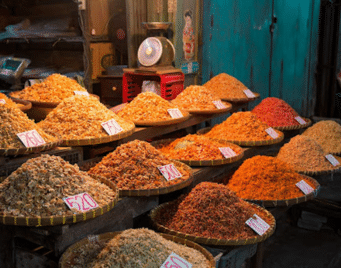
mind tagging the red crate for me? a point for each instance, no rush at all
(171, 84)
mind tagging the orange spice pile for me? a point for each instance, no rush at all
(8, 101)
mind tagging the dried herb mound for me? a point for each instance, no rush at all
(266, 178)
(37, 187)
(327, 133)
(276, 112)
(212, 210)
(241, 126)
(304, 154)
(80, 117)
(133, 165)
(14, 121)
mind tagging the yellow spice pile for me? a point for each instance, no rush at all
(80, 117)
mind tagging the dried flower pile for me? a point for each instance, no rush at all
(276, 112)
(55, 88)
(137, 248)
(196, 147)
(211, 210)
(38, 186)
(304, 154)
(14, 121)
(266, 178)
(241, 126)
(133, 165)
(80, 117)
(328, 134)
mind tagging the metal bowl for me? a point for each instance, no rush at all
(156, 25)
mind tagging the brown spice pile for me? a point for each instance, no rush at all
(304, 154)
(38, 186)
(327, 133)
(14, 121)
(133, 165)
(55, 88)
(80, 117)
(147, 106)
(266, 178)
(226, 86)
(241, 126)
(211, 210)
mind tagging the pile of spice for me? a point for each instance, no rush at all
(197, 148)
(211, 210)
(80, 117)
(241, 126)
(266, 178)
(14, 121)
(134, 165)
(147, 106)
(8, 101)
(327, 133)
(37, 187)
(137, 248)
(304, 154)
(196, 98)
(54, 88)
(276, 112)
(225, 86)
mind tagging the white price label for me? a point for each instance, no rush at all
(227, 152)
(85, 93)
(82, 202)
(2, 101)
(31, 138)
(175, 113)
(249, 93)
(304, 187)
(258, 224)
(272, 132)
(175, 261)
(112, 127)
(300, 120)
(219, 104)
(170, 172)
(332, 160)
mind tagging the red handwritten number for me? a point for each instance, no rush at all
(69, 200)
(38, 138)
(176, 263)
(91, 200)
(84, 208)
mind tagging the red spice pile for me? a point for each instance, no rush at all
(276, 112)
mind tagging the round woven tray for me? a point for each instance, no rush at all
(204, 162)
(211, 241)
(29, 150)
(247, 143)
(215, 111)
(295, 127)
(162, 190)
(292, 201)
(321, 172)
(69, 255)
(62, 220)
(23, 104)
(164, 122)
(246, 99)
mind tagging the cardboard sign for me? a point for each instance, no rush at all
(170, 172)
(258, 224)
(82, 202)
(332, 160)
(272, 132)
(31, 138)
(304, 187)
(300, 120)
(112, 127)
(175, 113)
(219, 104)
(227, 152)
(2, 101)
(175, 261)
(84, 93)
(249, 94)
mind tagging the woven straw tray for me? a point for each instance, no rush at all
(321, 172)
(246, 99)
(23, 104)
(215, 111)
(295, 127)
(163, 122)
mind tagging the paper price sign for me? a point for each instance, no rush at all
(31, 138)
(84, 93)
(82, 202)
(249, 93)
(258, 224)
(175, 261)
(304, 187)
(2, 101)
(332, 160)
(300, 120)
(175, 113)
(112, 127)
(219, 104)
(227, 152)
(170, 172)
(272, 132)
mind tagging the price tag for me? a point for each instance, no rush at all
(249, 93)
(332, 160)
(300, 120)
(272, 132)
(175, 113)
(31, 138)
(304, 187)
(2, 101)
(227, 152)
(85, 93)
(175, 261)
(112, 127)
(219, 104)
(170, 172)
(258, 224)
(82, 202)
